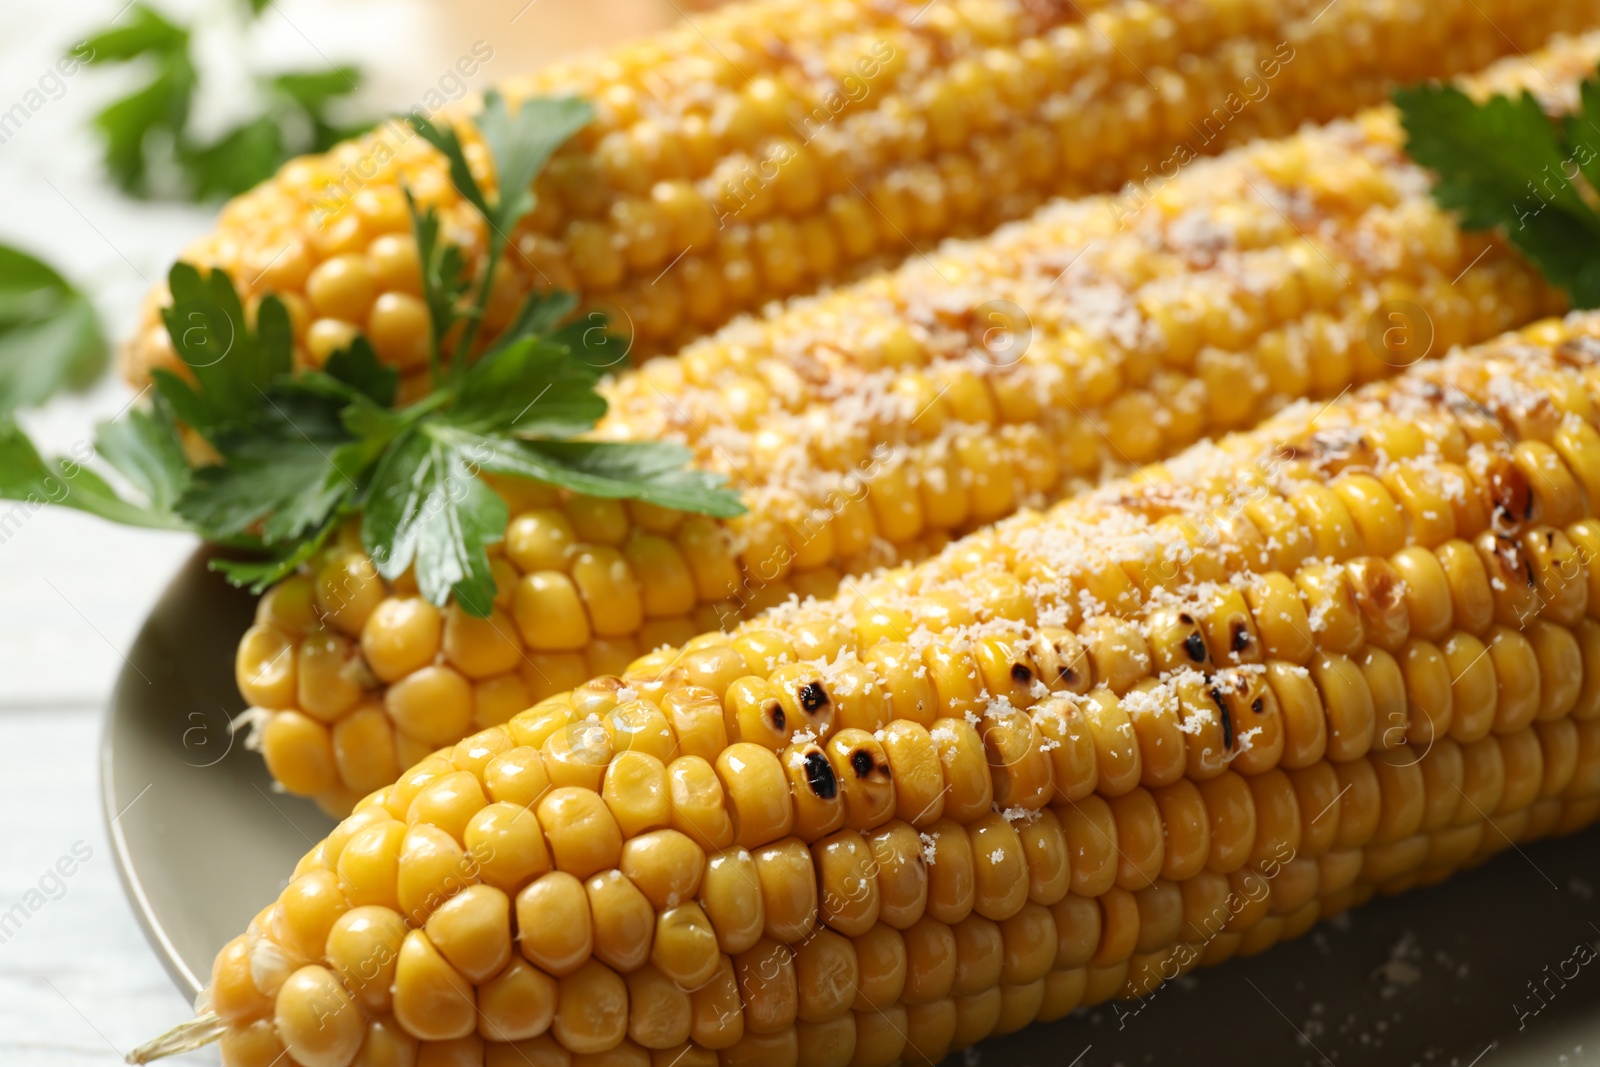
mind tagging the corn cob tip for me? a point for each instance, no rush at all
(198, 1032)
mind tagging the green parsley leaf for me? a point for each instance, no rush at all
(1505, 164)
(521, 143)
(49, 335)
(533, 388)
(313, 93)
(539, 315)
(652, 471)
(259, 573)
(161, 105)
(1583, 132)
(144, 31)
(233, 365)
(127, 125)
(314, 90)
(144, 448)
(240, 159)
(28, 477)
(282, 472)
(358, 368)
(428, 506)
(444, 138)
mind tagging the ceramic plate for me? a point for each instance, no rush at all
(1496, 967)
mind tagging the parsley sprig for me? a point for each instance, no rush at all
(299, 454)
(295, 114)
(1505, 164)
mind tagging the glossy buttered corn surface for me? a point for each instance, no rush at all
(1168, 722)
(867, 426)
(777, 145)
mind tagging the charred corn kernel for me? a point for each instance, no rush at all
(590, 584)
(865, 782)
(814, 786)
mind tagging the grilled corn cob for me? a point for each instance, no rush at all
(868, 425)
(781, 144)
(1171, 721)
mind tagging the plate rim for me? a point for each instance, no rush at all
(133, 889)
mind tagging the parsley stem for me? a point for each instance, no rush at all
(481, 302)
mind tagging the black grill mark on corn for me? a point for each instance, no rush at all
(1227, 720)
(813, 697)
(819, 774)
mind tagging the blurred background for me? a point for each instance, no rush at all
(78, 985)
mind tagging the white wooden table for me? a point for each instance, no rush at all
(78, 984)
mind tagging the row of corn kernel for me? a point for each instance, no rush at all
(882, 210)
(833, 213)
(1538, 762)
(1067, 747)
(1221, 917)
(990, 868)
(996, 972)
